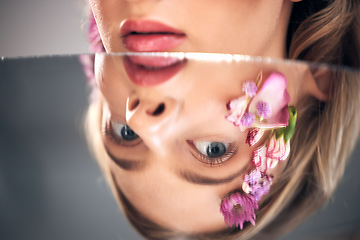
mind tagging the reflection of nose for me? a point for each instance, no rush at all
(150, 115)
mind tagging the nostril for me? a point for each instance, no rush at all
(133, 104)
(159, 110)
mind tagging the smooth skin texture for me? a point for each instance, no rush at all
(161, 172)
(231, 26)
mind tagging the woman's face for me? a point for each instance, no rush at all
(251, 27)
(166, 170)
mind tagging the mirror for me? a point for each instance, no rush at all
(170, 135)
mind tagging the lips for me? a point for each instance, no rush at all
(150, 71)
(150, 36)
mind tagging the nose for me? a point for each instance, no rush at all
(151, 118)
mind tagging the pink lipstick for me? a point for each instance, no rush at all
(150, 71)
(150, 36)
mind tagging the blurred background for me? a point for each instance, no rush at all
(42, 27)
(50, 187)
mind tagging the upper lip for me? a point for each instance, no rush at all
(147, 27)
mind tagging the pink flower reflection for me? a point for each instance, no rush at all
(256, 184)
(268, 108)
(272, 100)
(238, 208)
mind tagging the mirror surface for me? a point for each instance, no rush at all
(174, 103)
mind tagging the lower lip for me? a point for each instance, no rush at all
(158, 69)
(152, 42)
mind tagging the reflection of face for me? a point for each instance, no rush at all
(187, 156)
(168, 170)
(231, 26)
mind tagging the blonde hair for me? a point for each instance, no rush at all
(324, 31)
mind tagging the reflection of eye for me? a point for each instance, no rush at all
(213, 152)
(121, 134)
(123, 131)
(212, 149)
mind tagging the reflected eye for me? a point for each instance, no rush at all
(121, 134)
(123, 131)
(212, 149)
(213, 153)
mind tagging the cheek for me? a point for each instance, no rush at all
(174, 201)
(240, 27)
(111, 81)
(106, 16)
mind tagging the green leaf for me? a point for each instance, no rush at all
(289, 130)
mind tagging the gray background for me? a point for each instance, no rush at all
(38, 27)
(50, 188)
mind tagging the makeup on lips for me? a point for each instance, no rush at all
(152, 70)
(150, 36)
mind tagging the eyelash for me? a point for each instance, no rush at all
(209, 161)
(110, 135)
(108, 132)
(212, 162)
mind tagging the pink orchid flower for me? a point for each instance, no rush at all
(270, 104)
(265, 109)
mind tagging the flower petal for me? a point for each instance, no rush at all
(226, 205)
(274, 93)
(254, 136)
(259, 158)
(271, 163)
(277, 148)
(237, 109)
(253, 177)
(243, 209)
(246, 188)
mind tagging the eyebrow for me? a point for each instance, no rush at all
(126, 164)
(198, 179)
